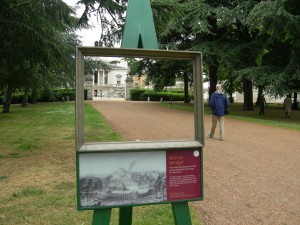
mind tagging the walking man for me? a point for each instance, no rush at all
(218, 103)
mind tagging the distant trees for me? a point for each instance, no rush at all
(88, 185)
(245, 44)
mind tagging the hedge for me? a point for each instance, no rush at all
(56, 95)
(142, 95)
(52, 95)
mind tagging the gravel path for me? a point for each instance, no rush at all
(253, 177)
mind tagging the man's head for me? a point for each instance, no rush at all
(218, 87)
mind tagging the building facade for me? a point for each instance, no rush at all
(109, 83)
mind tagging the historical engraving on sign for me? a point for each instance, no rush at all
(108, 179)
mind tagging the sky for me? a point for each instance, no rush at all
(88, 36)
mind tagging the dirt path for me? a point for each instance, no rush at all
(253, 177)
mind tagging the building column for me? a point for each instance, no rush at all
(89, 87)
(128, 87)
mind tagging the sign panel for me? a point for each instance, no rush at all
(114, 179)
(183, 175)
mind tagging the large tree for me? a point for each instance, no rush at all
(279, 22)
(265, 46)
(37, 40)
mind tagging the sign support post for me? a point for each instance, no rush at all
(101, 216)
(181, 213)
(125, 216)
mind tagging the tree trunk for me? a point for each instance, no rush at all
(295, 105)
(34, 95)
(6, 105)
(25, 98)
(213, 77)
(260, 92)
(230, 90)
(248, 95)
(186, 88)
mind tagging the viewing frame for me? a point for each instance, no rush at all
(187, 153)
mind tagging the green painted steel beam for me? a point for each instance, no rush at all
(101, 216)
(125, 216)
(181, 213)
(139, 30)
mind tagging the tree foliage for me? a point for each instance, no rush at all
(279, 22)
(110, 15)
(245, 43)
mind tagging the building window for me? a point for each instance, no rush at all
(96, 77)
(119, 76)
(105, 77)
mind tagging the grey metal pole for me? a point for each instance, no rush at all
(79, 99)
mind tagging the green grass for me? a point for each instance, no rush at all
(38, 168)
(96, 128)
(274, 114)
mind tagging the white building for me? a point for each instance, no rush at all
(108, 83)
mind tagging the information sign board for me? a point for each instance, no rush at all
(114, 179)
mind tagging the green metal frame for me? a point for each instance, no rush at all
(139, 30)
(180, 208)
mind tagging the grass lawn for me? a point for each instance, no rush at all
(274, 114)
(38, 169)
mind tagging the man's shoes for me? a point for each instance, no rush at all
(210, 136)
(221, 139)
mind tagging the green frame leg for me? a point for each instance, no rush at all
(125, 216)
(101, 216)
(181, 213)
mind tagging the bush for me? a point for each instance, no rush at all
(136, 94)
(17, 98)
(65, 93)
(47, 96)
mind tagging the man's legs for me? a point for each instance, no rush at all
(221, 124)
(214, 120)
